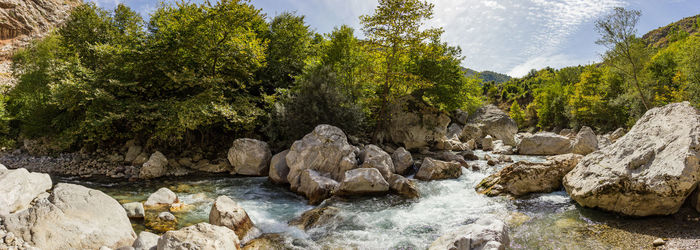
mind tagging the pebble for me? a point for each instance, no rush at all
(659, 242)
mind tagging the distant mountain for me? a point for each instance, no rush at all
(488, 76)
(663, 36)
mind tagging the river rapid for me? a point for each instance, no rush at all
(542, 221)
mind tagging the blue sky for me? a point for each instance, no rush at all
(508, 36)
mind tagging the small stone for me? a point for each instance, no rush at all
(659, 242)
(166, 216)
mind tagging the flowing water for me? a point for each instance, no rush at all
(550, 221)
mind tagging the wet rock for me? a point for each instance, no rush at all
(161, 197)
(487, 143)
(403, 161)
(522, 178)
(544, 143)
(414, 124)
(146, 241)
(200, 236)
(496, 123)
(585, 143)
(404, 186)
(160, 222)
(134, 210)
(326, 152)
(316, 217)
(279, 169)
(19, 187)
(485, 233)
(72, 217)
(316, 187)
(166, 216)
(649, 171)
(432, 169)
(267, 242)
(362, 181)
(250, 157)
(156, 166)
(374, 157)
(226, 212)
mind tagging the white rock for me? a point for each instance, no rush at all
(432, 169)
(250, 157)
(649, 171)
(403, 161)
(73, 217)
(156, 166)
(374, 157)
(166, 216)
(363, 181)
(163, 196)
(199, 236)
(146, 241)
(316, 187)
(585, 143)
(134, 210)
(544, 143)
(226, 212)
(279, 169)
(19, 187)
(485, 233)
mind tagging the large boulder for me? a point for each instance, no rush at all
(156, 166)
(19, 187)
(250, 157)
(544, 143)
(403, 161)
(585, 143)
(362, 181)
(279, 169)
(326, 151)
(200, 236)
(432, 169)
(316, 187)
(72, 217)
(226, 212)
(162, 197)
(485, 233)
(490, 120)
(649, 171)
(522, 177)
(415, 124)
(374, 157)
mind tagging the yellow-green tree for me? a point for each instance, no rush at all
(517, 114)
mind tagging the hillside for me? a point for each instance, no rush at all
(488, 76)
(663, 36)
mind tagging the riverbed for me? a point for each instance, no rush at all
(541, 221)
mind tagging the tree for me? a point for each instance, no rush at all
(289, 42)
(517, 114)
(625, 52)
(394, 29)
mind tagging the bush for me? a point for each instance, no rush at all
(316, 100)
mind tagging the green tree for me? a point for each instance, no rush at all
(289, 45)
(394, 29)
(626, 52)
(517, 114)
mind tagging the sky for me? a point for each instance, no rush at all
(506, 36)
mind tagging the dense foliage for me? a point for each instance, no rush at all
(202, 74)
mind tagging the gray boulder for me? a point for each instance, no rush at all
(199, 236)
(362, 181)
(279, 169)
(403, 186)
(226, 212)
(490, 120)
(250, 157)
(585, 142)
(544, 143)
(415, 124)
(650, 171)
(72, 217)
(374, 157)
(146, 241)
(156, 166)
(19, 187)
(316, 187)
(403, 161)
(134, 210)
(432, 169)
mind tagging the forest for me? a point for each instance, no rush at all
(200, 74)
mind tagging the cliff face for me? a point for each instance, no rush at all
(24, 20)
